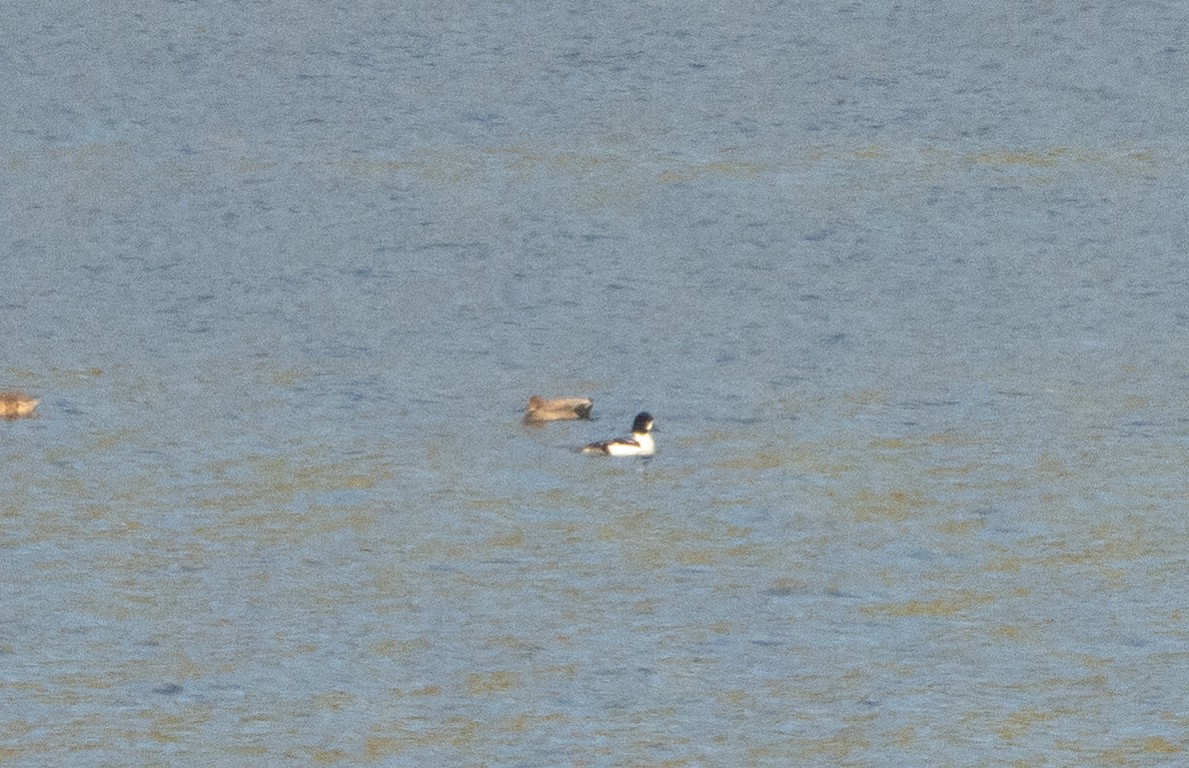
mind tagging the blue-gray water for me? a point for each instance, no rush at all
(905, 289)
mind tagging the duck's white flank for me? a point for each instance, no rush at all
(639, 444)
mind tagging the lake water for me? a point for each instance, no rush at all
(905, 289)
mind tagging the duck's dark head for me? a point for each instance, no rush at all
(643, 423)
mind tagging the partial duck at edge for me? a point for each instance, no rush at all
(17, 405)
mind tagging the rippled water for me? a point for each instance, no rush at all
(905, 290)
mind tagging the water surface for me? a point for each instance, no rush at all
(904, 288)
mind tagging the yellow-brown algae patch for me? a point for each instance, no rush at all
(938, 607)
(696, 557)
(1044, 159)
(958, 470)
(491, 682)
(1024, 720)
(1159, 745)
(961, 527)
(525, 723)
(332, 700)
(379, 747)
(840, 746)
(1006, 631)
(949, 437)
(328, 756)
(17, 405)
(895, 505)
(1005, 564)
(1132, 748)
(513, 540)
